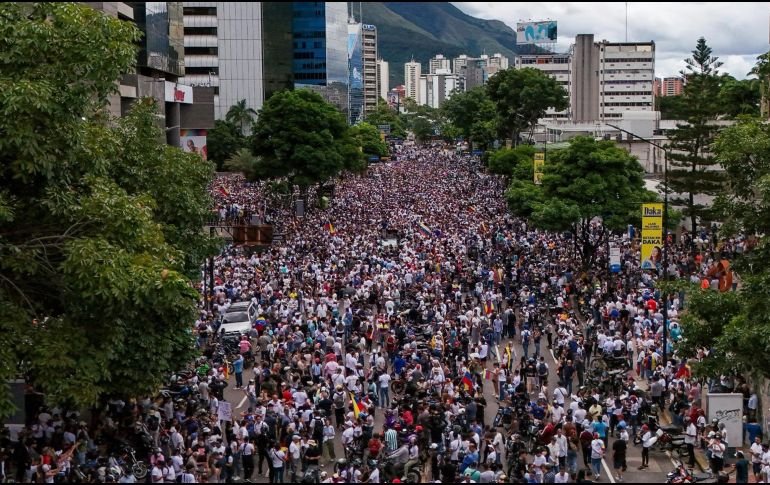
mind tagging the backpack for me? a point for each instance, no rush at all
(319, 428)
(542, 369)
(525, 336)
(339, 400)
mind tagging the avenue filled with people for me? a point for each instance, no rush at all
(411, 331)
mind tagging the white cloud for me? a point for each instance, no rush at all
(736, 32)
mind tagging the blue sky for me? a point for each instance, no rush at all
(737, 32)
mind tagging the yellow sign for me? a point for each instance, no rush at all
(539, 163)
(652, 235)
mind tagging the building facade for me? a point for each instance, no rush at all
(320, 37)
(439, 62)
(412, 73)
(184, 112)
(371, 69)
(670, 86)
(438, 87)
(355, 73)
(559, 67)
(383, 81)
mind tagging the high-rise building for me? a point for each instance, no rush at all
(412, 72)
(355, 73)
(439, 62)
(232, 47)
(371, 79)
(437, 87)
(320, 33)
(604, 79)
(670, 86)
(383, 81)
(558, 66)
(497, 61)
(184, 112)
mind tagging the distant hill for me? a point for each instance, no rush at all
(424, 29)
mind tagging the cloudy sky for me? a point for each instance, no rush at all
(737, 32)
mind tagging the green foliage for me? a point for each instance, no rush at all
(302, 137)
(692, 167)
(243, 161)
(739, 97)
(100, 223)
(473, 114)
(240, 115)
(517, 163)
(423, 121)
(762, 71)
(369, 139)
(522, 96)
(223, 141)
(385, 115)
(586, 180)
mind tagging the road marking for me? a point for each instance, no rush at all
(609, 472)
(240, 404)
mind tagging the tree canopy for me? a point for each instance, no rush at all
(692, 170)
(302, 137)
(224, 140)
(100, 222)
(734, 325)
(587, 180)
(513, 162)
(521, 98)
(369, 139)
(241, 115)
(385, 115)
(473, 114)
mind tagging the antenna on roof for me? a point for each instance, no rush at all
(626, 21)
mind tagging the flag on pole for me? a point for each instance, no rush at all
(424, 230)
(467, 380)
(487, 375)
(356, 405)
(488, 308)
(330, 227)
(224, 191)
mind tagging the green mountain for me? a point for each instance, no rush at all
(420, 30)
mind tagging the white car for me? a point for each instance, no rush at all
(236, 323)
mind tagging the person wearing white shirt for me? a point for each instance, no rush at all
(690, 438)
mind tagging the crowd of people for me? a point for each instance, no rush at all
(401, 334)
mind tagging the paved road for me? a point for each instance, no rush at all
(660, 464)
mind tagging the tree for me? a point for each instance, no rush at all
(517, 163)
(424, 121)
(739, 97)
(224, 140)
(522, 96)
(385, 115)
(302, 137)
(587, 180)
(100, 223)
(734, 325)
(473, 113)
(240, 115)
(693, 170)
(243, 161)
(762, 71)
(369, 139)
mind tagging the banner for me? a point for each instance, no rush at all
(539, 163)
(536, 32)
(652, 235)
(614, 258)
(194, 141)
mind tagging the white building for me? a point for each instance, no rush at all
(223, 49)
(559, 67)
(439, 63)
(371, 79)
(383, 79)
(412, 72)
(437, 87)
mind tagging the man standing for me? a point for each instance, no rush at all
(691, 435)
(619, 457)
(238, 371)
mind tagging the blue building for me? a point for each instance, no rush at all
(320, 38)
(355, 73)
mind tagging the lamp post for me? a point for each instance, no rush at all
(664, 296)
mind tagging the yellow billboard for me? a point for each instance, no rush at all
(539, 163)
(652, 235)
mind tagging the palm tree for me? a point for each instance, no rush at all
(240, 115)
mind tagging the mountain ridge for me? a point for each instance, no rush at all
(420, 30)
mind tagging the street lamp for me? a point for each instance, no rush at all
(665, 235)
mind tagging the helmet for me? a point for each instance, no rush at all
(356, 462)
(372, 463)
(715, 421)
(342, 462)
(418, 428)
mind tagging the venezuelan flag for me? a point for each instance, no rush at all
(330, 227)
(356, 405)
(488, 308)
(224, 191)
(423, 229)
(467, 380)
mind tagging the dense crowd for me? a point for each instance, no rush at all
(400, 335)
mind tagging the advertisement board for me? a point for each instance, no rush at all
(652, 235)
(539, 163)
(727, 409)
(614, 258)
(178, 93)
(194, 141)
(536, 32)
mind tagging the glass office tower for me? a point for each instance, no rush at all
(355, 73)
(320, 33)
